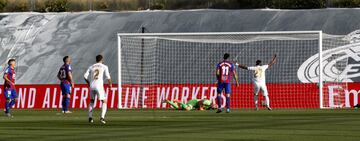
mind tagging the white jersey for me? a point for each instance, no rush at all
(96, 77)
(259, 73)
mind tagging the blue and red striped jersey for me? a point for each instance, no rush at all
(226, 70)
(64, 73)
(11, 76)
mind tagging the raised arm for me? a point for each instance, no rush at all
(273, 61)
(241, 66)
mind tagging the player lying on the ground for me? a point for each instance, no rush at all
(9, 87)
(259, 80)
(195, 104)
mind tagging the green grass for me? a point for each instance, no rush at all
(141, 125)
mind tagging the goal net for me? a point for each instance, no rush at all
(181, 66)
(337, 51)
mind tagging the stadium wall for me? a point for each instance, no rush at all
(39, 41)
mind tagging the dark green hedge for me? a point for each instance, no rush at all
(2, 5)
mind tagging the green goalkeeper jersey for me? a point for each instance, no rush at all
(193, 103)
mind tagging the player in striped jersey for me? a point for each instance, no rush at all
(9, 87)
(66, 83)
(225, 71)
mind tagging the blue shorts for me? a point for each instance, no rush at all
(226, 86)
(65, 88)
(10, 93)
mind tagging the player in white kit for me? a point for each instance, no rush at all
(94, 78)
(259, 80)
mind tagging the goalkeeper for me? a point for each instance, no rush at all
(195, 104)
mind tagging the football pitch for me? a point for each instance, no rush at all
(145, 125)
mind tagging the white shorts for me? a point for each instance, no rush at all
(262, 87)
(100, 93)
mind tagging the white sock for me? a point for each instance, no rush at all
(256, 100)
(267, 100)
(103, 110)
(91, 107)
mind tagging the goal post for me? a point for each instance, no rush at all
(153, 67)
(321, 88)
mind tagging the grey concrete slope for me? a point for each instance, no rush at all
(39, 41)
